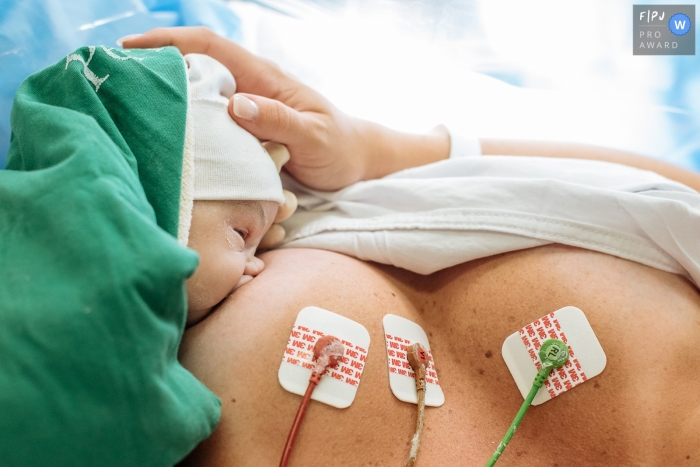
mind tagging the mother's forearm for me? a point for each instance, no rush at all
(388, 151)
(588, 151)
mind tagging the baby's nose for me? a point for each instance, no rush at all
(253, 266)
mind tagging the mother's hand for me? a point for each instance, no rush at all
(329, 149)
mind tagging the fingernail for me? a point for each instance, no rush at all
(121, 40)
(244, 108)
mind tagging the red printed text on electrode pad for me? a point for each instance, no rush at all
(300, 352)
(396, 348)
(561, 379)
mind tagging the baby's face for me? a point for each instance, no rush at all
(225, 234)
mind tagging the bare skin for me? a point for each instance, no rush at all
(643, 410)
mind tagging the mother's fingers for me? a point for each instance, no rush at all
(268, 119)
(253, 74)
(187, 39)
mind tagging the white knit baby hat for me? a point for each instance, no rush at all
(229, 162)
(221, 160)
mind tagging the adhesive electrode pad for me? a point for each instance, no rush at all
(586, 356)
(399, 333)
(338, 386)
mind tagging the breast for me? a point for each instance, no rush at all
(629, 415)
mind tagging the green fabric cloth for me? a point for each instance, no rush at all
(92, 297)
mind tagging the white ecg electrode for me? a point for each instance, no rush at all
(586, 356)
(338, 386)
(399, 333)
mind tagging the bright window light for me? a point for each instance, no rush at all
(550, 69)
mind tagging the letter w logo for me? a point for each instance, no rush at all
(680, 25)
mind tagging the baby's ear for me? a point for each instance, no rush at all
(274, 236)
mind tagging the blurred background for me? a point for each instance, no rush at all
(554, 70)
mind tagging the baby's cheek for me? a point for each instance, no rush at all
(196, 301)
(213, 281)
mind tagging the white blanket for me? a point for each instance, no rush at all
(439, 215)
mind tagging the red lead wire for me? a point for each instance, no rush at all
(328, 352)
(297, 422)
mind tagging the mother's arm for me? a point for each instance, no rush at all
(330, 149)
(587, 151)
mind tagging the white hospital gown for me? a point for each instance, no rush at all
(436, 216)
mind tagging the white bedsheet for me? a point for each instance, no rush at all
(436, 216)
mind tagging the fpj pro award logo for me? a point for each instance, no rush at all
(663, 29)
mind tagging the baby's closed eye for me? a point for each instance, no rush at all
(236, 238)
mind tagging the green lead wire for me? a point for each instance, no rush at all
(553, 353)
(519, 417)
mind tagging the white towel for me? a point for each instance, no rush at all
(439, 215)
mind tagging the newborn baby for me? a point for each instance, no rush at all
(237, 191)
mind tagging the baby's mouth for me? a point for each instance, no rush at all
(242, 281)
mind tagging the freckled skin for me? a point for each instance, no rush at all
(625, 416)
